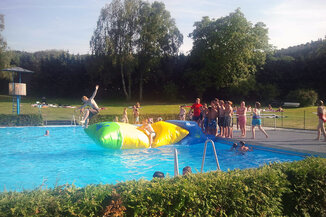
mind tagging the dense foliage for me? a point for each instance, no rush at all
(136, 35)
(21, 120)
(287, 189)
(134, 50)
(298, 67)
(226, 50)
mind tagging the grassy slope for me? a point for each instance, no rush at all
(294, 117)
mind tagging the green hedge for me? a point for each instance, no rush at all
(287, 189)
(21, 120)
(102, 118)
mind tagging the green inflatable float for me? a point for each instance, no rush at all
(115, 135)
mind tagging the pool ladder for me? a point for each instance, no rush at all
(204, 155)
(176, 161)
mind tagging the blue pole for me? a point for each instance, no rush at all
(18, 105)
(18, 97)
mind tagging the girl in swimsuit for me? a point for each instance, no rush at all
(242, 116)
(182, 113)
(256, 120)
(321, 119)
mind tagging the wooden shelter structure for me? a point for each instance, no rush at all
(17, 89)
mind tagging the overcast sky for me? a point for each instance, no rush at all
(33, 25)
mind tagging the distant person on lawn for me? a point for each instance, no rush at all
(93, 110)
(321, 113)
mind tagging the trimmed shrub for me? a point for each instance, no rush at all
(303, 96)
(287, 189)
(21, 120)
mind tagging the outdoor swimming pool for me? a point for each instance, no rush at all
(68, 155)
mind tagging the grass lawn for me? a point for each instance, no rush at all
(298, 118)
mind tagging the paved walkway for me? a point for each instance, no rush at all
(287, 139)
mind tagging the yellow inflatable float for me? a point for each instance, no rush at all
(117, 135)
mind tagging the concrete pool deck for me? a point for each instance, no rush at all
(302, 141)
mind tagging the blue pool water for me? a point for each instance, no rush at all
(28, 159)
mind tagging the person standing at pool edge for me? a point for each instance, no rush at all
(93, 110)
(242, 116)
(321, 119)
(197, 110)
(256, 120)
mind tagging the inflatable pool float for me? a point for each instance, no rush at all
(116, 135)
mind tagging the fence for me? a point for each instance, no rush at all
(299, 120)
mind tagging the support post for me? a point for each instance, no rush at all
(18, 105)
(304, 119)
(176, 163)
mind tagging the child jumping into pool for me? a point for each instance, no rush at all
(93, 110)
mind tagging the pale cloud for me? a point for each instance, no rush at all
(33, 25)
(296, 22)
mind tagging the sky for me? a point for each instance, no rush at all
(34, 25)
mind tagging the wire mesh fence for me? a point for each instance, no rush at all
(298, 120)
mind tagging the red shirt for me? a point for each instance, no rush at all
(196, 107)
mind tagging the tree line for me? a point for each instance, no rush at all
(135, 55)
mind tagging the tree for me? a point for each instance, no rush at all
(4, 54)
(135, 34)
(115, 36)
(226, 50)
(159, 37)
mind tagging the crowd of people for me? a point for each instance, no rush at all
(214, 119)
(217, 118)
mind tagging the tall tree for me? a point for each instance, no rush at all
(115, 34)
(226, 50)
(135, 34)
(4, 54)
(159, 37)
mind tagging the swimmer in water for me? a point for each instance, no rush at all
(243, 147)
(47, 133)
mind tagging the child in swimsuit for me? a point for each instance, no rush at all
(93, 110)
(221, 118)
(125, 116)
(321, 119)
(182, 113)
(228, 119)
(242, 117)
(256, 120)
(136, 114)
(149, 131)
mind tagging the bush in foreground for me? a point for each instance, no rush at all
(287, 189)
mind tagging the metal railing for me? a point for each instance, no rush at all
(299, 120)
(176, 163)
(204, 155)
